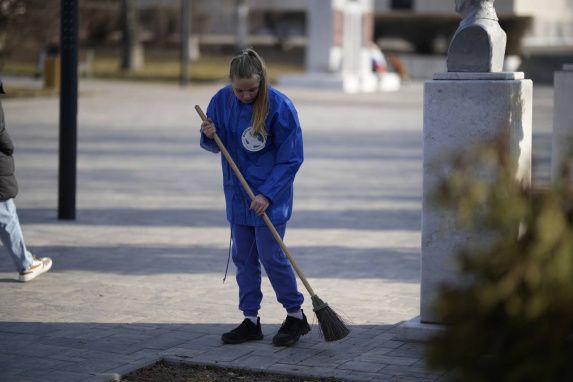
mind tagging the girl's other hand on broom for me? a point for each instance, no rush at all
(260, 204)
(208, 128)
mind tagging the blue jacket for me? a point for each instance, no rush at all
(269, 166)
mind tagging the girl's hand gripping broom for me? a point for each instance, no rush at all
(332, 327)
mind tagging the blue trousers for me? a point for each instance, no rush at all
(11, 236)
(251, 247)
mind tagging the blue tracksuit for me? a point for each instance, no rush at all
(269, 164)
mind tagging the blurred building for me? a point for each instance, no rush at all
(540, 33)
(216, 20)
(552, 19)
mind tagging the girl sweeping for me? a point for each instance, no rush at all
(260, 128)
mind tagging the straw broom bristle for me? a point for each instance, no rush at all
(331, 325)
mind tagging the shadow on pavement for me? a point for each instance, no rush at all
(316, 261)
(399, 219)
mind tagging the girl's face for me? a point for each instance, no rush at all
(246, 89)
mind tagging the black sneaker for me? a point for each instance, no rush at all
(247, 331)
(291, 330)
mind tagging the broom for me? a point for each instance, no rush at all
(332, 327)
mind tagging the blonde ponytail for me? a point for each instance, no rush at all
(246, 65)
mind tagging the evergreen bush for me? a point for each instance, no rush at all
(512, 317)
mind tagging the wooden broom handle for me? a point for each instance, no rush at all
(252, 196)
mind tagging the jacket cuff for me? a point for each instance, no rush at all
(209, 144)
(266, 194)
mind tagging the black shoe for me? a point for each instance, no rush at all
(291, 330)
(247, 331)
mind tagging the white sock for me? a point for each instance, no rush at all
(253, 319)
(296, 314)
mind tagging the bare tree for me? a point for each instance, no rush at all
(242, 20)
(27, 26)
(99, 19)
(132, 49)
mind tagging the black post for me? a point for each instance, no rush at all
(185, 32)
(68, 109)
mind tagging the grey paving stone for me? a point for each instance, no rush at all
(184, 353)
(17, 328)
(16, 337)
(207, 340)
(143, 354)
(129, 346)
(310, 371)
(224, 354)
(254, 362)
(400, 361)
(369, 367)
(10, 376)
(114, 347)
(293, 356)
(25, 378)
(421, 363)
(409, 352)
(386, 336)
(81, 333)
(328, 359)
(27, 365)
(93, 366)
(374, 354)
(49, 375)
(387, 344)
(70, 355)
(132, 338)
(412, 371)
(53, 342)
(8, 373)
(160, 343)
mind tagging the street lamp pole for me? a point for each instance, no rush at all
(68, 109)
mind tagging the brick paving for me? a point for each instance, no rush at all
(138, 276)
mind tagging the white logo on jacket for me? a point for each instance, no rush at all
(253, 143)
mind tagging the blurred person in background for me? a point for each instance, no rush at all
(27, 265)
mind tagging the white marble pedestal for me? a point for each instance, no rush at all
(462, 110)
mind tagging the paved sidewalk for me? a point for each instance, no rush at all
(138, 276)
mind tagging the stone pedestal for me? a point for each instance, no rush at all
(462, 110)
(563, 123)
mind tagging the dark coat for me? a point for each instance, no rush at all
(8, 184)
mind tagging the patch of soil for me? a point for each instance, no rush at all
(165, 371)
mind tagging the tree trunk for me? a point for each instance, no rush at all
(132, 49)
(242, 24)
(185, 34)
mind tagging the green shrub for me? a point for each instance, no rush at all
(512, 320)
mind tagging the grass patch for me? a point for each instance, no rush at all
(18, 68)
(161, 68)
(29, 92)
(165, 371)
(207, 69)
